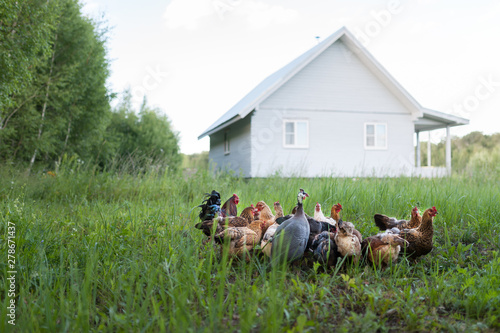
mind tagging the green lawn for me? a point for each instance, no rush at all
(109, 252)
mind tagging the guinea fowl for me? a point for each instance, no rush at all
(319, 216)
(384, 222)
(242, 239)
(420, 239)
(210, 206)
(265, 245)
(348, 244)
(290, 239)
(325, 249)
(245, 218)
(229, 208)
(383, 248)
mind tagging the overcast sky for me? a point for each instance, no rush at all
(194, 59)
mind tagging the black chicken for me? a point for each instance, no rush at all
(210, 206)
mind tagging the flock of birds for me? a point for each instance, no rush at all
(326, 239)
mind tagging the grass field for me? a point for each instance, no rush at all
(110, 252)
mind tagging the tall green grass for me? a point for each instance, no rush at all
(112, 251)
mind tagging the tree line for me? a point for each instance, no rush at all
(473, 153)
(54, 98)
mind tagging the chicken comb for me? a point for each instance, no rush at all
(340, 206)
(434, 208)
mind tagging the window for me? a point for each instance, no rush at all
(375, 136)
(227, 143)
(296, 134)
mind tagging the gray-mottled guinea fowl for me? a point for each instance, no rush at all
(290, 239)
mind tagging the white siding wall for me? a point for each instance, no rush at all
(337, 94)
(239, 157)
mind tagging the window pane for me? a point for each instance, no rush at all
(290, 139)
(381, 135)
(370, 141)
(370, 129)
(302, 133)
(289, 127)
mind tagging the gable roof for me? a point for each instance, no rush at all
(273, 82)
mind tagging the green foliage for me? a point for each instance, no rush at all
(141, 139)
(195, 161)
(118, 252)
(473, 154)
(25, 37)
(65, 107)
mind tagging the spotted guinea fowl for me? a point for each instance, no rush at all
(384, 222)
(290, 239)
(420, 239)
(245, 218)
(383, 248)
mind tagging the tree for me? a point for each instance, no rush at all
(25, 36)
(141, 139)
(65, 109)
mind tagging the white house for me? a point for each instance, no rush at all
(333, 111)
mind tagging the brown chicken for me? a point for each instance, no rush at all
(384, 222)
(271, 230)
(229, 207)
(383, 248)
(246, 217)
(242, 239)
(278, 210)
(334, 212)
(265, 212)
(420, 239)
(348, 244)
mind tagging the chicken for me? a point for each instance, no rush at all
(241, 239)
(229, 208)
(265, 245)
(348, 244)
(420, 239)
(245, 218)
(319, 216)
(334, 212)
(265, 212)
(384, 222)
(210, 206)
(325, 249)
(290, 239)
(383, 248)
(278, 210)
(316, 228)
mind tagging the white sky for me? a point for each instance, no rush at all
(195, 59)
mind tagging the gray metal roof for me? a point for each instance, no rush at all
(251, 101)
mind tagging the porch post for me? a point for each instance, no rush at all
(429, 150)
(448, 149)
(418, 149)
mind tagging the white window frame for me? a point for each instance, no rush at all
(375, 147)
(295, 121)
(227, 143)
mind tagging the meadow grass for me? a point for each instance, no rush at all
(118, 252)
